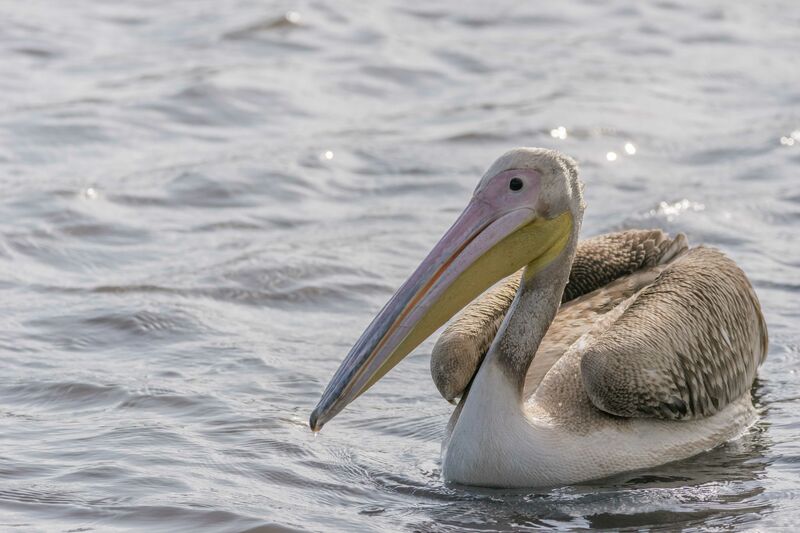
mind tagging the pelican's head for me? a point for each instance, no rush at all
(521, 213)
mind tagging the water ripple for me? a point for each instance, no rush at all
(203, 206)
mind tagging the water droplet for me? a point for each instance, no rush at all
(559, 133)
(787, 141)
(795, 135)
(630, 148)
(611, 156)
(328, 155)
(90, 193)
(293, 17)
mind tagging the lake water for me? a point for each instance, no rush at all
(205, 202)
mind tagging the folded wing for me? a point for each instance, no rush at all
(685, 347)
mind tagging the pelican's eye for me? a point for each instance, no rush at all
(515, 184)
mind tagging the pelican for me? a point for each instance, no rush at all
(621, 352)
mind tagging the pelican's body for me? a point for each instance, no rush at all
(558, 434)
(494, 443)
(647, 356)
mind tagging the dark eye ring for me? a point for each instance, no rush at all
(515, 184)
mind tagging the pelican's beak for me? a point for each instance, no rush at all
(486, 244)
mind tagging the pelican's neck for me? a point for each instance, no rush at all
(534, 307)
(489, 425)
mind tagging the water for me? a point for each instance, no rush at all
(204, 203)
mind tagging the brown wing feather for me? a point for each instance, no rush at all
(688, 345)
(602, 259)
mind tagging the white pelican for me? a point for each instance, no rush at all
(649, 359)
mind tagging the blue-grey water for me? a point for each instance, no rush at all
(204, 202)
